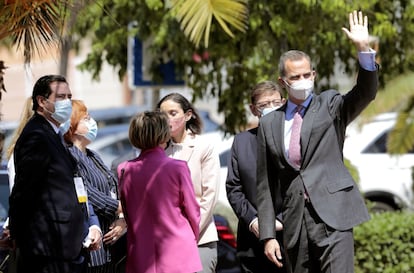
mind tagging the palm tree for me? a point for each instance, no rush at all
(36, 24)
(196, 17)
(33, 24)
(40, 24)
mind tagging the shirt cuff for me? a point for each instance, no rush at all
(367, 59)
(252, 222)
(96, 227)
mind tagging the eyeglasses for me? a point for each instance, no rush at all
(297, 77)
(265, 104)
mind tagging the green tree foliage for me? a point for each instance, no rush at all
(229, 67)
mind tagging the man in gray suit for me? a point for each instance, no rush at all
(320, 201)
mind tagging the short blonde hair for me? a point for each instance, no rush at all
(149, 129)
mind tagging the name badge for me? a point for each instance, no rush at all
(80, 190)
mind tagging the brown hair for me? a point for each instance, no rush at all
(42, 88)
(264, 87)
(149, 129)
(79, 110)
(195, 124)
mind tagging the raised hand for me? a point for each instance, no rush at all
(358, 30)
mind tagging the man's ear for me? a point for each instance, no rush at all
(41, 101)
(281, 82)
(314, 74)
(254, 110)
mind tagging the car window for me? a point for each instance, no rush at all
(117, 148)
(378, 146)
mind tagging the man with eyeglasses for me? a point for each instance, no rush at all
(51, 222)
(265, 97)
(300, 159)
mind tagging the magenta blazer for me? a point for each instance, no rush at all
(161, 212)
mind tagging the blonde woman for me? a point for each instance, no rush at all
(27, 113)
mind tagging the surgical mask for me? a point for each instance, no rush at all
(92, 129)
(300, 89)
(177, 124)
(267, 110)
(64, 127)
(63, 110)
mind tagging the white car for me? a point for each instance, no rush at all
(222, 145)
(384, 179)
(111, 146)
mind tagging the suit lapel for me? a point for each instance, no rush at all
(57, 141)
(187, 148)
(307, 126)
(278, 132)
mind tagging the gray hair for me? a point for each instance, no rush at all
(291, 55)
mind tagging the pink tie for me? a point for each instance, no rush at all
(294, 144)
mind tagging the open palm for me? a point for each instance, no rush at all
(358, 30)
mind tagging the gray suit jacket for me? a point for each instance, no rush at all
(332, 191)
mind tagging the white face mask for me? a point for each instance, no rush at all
(63, 110)
(300, 89)
(267, 110)
(64, 127)
(92, 129)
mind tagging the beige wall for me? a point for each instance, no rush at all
(19, 80)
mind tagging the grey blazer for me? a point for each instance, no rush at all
(331, 189)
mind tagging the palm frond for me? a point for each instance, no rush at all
(35, 25)
(195, 17)
(401, 138)
(393, 97)
(2, 86)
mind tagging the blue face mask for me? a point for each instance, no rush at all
(92, 129)
(266, 111)
(64, 127)
(63, 110)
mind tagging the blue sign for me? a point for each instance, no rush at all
(140, 68)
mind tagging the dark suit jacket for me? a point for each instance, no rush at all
(241, 191)
(332, 191)
(45, 215)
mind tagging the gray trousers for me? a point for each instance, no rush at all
(208, 255)
(320, 248)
